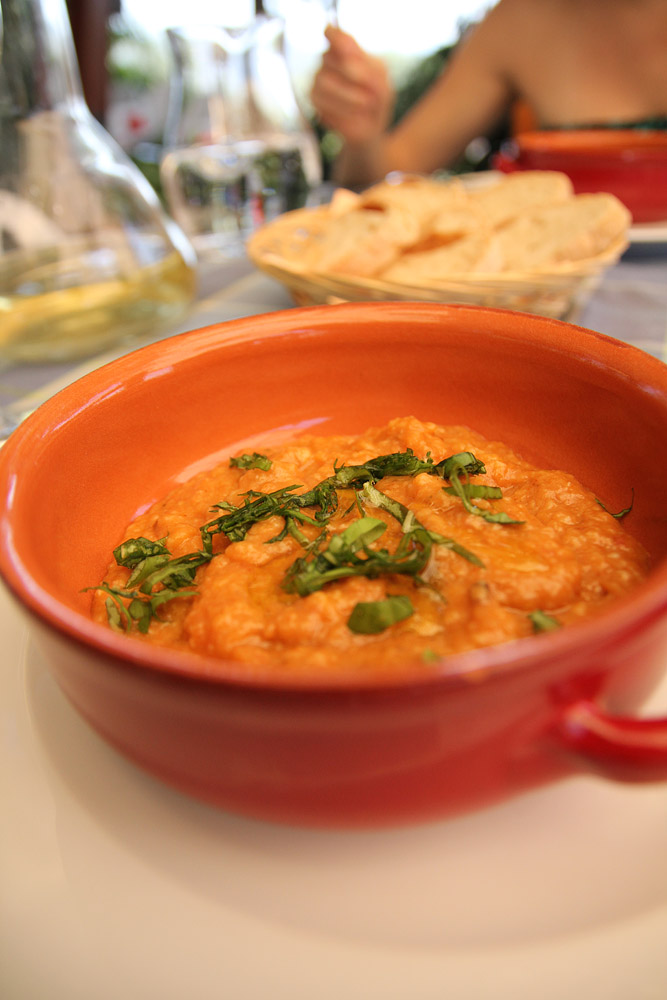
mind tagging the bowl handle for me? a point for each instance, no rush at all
(619, 747)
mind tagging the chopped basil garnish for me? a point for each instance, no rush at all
(157, 578)
(621, 513)
(257, 506)
(410, 523)
(477, 490)
(152, 566)
(343, 557)
(542, 622)
(253, 461)
(371, 617)
(284, 502)
(464, 491)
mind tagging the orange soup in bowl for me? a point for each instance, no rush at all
(410, 540)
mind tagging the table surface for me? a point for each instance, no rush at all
(116, 886)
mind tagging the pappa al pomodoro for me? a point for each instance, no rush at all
(408, 541)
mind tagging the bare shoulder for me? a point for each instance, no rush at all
(510, 26)
(524, 18)
(514, 33)
(513, 21)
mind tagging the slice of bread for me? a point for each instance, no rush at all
(420, 231)
(580, 228)
(360, 242)
(472, 253)
(343, 200)
(423, 197)
(457, 221)
(517, 193)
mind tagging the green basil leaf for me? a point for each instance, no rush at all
(372, 617)
(542, 622)
(253, 461)
(621, 513)
(410, 524)
(459, 489)
(359, 534)
(477, 490)
(133, 551)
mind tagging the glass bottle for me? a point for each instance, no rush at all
(88, 257)
(238, 150)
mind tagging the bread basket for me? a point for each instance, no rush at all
(559, 292)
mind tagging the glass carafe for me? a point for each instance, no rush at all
(88, 257)
(238, 150)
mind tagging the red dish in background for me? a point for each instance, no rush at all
(628, 163)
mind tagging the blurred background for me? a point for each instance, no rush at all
(126, 61)
(209, 99)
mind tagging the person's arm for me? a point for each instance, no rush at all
(465, 101)
(353, 95)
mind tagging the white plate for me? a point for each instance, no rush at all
(648, 232)
(114, 886)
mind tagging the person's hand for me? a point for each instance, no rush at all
(352, 92)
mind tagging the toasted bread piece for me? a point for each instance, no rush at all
(472, 253)
(517, 193)
(343, 200)
(360, 242)
(458, 220)
(423, 197)
(449, 226)
(420, 231)
(580, 228)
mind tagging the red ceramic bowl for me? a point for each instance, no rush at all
(630, 164)
(351, 751)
